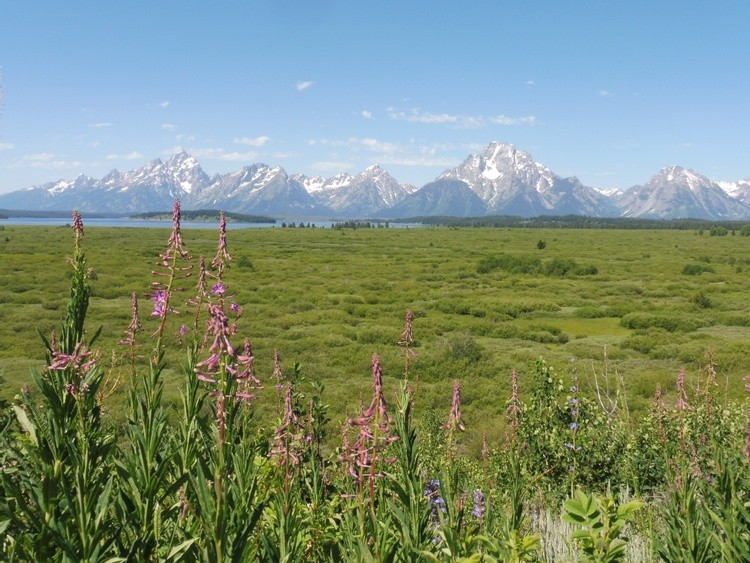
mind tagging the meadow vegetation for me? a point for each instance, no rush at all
(401, 395)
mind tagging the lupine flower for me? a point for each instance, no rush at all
(437, 506)
(479, 504)
(574, 426)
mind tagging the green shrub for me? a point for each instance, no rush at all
(696, 269)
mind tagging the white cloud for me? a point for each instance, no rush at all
(100, 125)
(7, 146)
(332, 165)
(168, 127)
(458, 121)
(300, 86)
(163, 105)
(367, 114)
(416, 116)
(130, 156)
(605, 93)
(505, 120)
(385, 152)
(252, 141)
(217, 154)
(49, 161)
(530, 83)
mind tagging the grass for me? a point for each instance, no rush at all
(91, 467)
(330, 298)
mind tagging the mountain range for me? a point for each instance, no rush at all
(502, 180)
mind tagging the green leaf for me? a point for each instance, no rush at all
(26, 424)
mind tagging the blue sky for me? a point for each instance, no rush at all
(607, 91)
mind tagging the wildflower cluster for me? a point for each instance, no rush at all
(373, 433)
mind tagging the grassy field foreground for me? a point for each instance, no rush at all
(658, 301)
(571, 396)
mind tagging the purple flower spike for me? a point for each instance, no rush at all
(160, 304)
(479, 504)
(218, 289)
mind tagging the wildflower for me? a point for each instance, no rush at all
(160, 304)
(682, 403)
(277, 374)
(746, 449)
(77, 226)
(235, 308)
(407, 337)
(574, 426)
(574, 389)
(485, 448)
(222, 254)
(219, 329)
(183, 330)
(514, 404)
(479, 504)
(201, 291)
(246, 375)
(437, 504)
(218, 289)
(78, 360)
(135, 324)
(289, 437)
(454, 418)
(374, 434)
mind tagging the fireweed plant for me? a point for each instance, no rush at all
(214, 480)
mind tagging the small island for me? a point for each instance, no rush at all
(204, 215)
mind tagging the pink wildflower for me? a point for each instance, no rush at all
(135, 323)
(454, 417)
(682, 403)
(78, 360)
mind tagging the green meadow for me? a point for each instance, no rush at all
(624, 309)
(534, 395)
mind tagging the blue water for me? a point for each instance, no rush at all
(125, 222)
